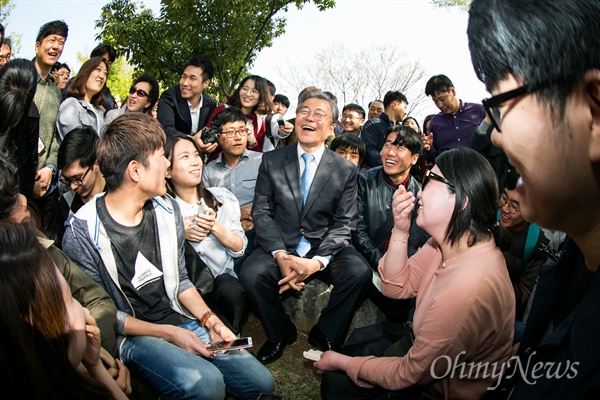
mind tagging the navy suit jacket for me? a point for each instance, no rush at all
(174, 112)
(329, 215)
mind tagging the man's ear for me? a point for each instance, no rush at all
(205, 84)
(96, 166)
(133, 171)
(414, 159)
(593, 90)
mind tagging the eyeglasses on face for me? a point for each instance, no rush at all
(139, 92)
(504, 200)
(74, 181)
(430, 175)
(231, 133)
(493, 103)
(348, 116)
(247, 89)
(318, 115)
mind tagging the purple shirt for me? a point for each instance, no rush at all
(450, 131)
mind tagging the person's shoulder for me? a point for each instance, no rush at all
(370, 174)
(209, 101)
(221, 193)
(254, 155)
(69, 102)
(171, 93)
(371, 122)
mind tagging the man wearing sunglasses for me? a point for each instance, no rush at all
(143, 95)
(541, 63)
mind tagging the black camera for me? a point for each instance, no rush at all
(210, 135)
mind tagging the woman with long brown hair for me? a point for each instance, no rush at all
(82, 107)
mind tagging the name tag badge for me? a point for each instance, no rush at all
(145, 272)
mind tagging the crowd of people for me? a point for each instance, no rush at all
(133, 237)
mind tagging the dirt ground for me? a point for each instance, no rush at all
(295, 377)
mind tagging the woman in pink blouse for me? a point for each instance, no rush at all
(464, 299)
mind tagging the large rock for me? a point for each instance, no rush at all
(305, 307)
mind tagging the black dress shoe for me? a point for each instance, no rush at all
(317, 338)
(272, 351)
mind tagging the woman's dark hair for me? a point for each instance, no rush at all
(264, 96)
(476, 195)
(34, 352)
(425, 121)
(154, 87)
(9, 188)
(203, 193)
(77, 88)
(18, 82)
(416, 122)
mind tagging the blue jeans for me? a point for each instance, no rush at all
(179, 374)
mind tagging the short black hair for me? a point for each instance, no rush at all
(208, 68)
(512, 177)
(272, 88)
(102, 49)
(348, 141)
(548, 44)
(355, 107)
(405, 136)
(226, 115)
(78, 144)
(59, 28)
(394, 95)
(438, 83)
(154, 89)
(280, 98)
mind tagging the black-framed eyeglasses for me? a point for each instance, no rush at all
(74, 181)
(491, 104)
(504, 200)
(231, 134)
(139, 92)
(432, 175)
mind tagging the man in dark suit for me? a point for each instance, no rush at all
(184, 108)
(304, 212)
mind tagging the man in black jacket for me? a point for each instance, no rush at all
(401, 149)
(183, 108)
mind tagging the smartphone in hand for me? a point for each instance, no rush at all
(201, 208)
(240, 343)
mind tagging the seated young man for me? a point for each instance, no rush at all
(236, 170)
(79, 171)
(351, 147)
(526, 256)
(376, 186)
(131, 241)
(353, 118)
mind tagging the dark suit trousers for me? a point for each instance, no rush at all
(348, 272)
